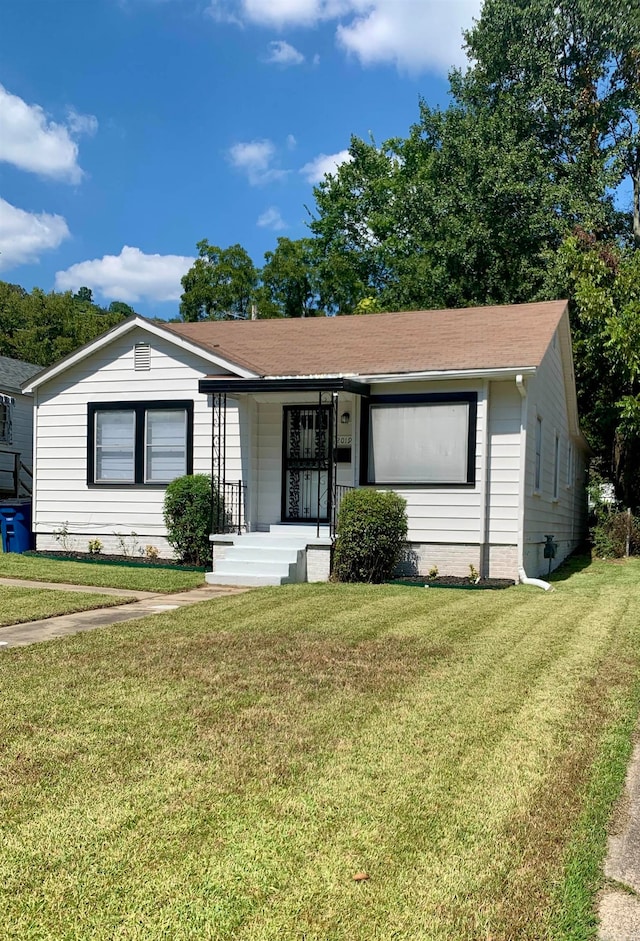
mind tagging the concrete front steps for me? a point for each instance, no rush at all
(277, 557)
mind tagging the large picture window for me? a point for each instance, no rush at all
(426, 440)
(139, 442)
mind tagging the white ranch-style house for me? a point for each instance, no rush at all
(469, 414)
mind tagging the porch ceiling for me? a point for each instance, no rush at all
(236, 386)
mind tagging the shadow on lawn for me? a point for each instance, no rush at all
(577, 562)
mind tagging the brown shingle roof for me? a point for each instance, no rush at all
(377, 344)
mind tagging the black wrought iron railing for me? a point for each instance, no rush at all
(228, 507)
(340, 490)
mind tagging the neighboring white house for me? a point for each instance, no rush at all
(16, 427)
(469, 414)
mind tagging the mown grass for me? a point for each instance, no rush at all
(129, 577)
(221, 772)
(32, 604)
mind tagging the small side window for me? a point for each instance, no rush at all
(6, 417)
(537, 477)
(570, 470)
(556, 466)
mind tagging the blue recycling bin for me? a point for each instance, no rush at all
(15, 525)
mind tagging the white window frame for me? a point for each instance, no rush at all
(570, 465)
(178, 449)
(556, 466)
(128, 447)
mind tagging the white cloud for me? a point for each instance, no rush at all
(414, 35)
(316, 169)
(25, 235)
(255, 158)
(281, 53)
(221, 11)
(292, 143)
(130, 276)
(82, 123)
(30, 141)
(291, 12)
(272, 219)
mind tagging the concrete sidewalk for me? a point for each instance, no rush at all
(33, 632)
(619, 907)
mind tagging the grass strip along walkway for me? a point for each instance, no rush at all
(222, 772)
(101, 573)
(18, 605)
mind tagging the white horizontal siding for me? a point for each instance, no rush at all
(563, 517)
(505, 407)
(62, 496)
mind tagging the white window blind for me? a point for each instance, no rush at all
(115, 435)
(166, 445)
(422, 443)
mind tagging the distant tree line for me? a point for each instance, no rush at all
(41, 328)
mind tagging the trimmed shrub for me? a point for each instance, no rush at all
(187, 516)
(372, 531)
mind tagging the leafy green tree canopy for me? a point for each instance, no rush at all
(41, 328)
(288, 280)
(220, 285)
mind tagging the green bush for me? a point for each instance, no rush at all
(610, 531)
(187, 516)
(372, 530)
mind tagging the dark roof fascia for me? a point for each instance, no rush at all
(231, 386)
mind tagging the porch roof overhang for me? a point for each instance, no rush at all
(225, 384)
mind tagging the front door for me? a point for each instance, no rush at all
(306, 477)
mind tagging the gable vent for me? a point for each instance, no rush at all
(142, 356)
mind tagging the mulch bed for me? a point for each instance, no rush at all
(103, 558)
(453, 581)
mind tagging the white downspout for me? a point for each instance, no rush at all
(522, 575)
(484, 484)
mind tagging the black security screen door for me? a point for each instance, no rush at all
(306, 478)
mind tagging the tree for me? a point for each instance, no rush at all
(568, 71)
(288, 288)
(41, 328)
(84, 295)
(604, 282)
(471, 207)
(220, 285)
(355, 218)
(122, 309)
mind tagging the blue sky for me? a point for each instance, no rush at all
(131, 129)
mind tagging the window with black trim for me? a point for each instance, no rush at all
(6, 414)
(419, 439)
(131, 443)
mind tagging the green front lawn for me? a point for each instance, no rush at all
(102, 574)
(222, 771)
(32, 604)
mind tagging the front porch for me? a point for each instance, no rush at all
(275, 523)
